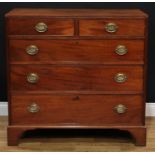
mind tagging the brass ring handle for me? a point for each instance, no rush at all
(111, 27)
(120, 108)
(33, 108)
(32, 78)
(41, 27)
(121, 50)
(32, 50)
(120, 77)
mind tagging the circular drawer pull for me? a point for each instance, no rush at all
(41, 27)
(32, 78)
(120, 108)
(32, 50)
(121, 50)
(33, 108)
(120, 77)
(111, 27)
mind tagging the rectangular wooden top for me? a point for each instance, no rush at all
(38, 12)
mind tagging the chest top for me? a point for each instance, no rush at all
(124, 13)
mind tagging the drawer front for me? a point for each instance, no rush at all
(76, 110)
(76, 78)
(39, 26)
(112, 27)
(77, 51)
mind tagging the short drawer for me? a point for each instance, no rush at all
(77, 51)
(76, 78)
(40, 26)
(112, 27)
(66, 110)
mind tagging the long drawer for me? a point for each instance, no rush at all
(66, 110)
(78, 78)
(77, 51)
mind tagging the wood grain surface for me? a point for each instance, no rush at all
(28, 12)
(77, 110)
(76, 52)
(58, 27)
(91, 27)
(79, 78)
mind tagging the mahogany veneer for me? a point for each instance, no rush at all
(55, 26)
(79, 68)
(80, 78)
(67, 51)
(74, 107)
(129, 27)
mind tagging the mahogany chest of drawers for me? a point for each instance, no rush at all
(77, 69)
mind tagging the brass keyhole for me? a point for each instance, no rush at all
(75, 98)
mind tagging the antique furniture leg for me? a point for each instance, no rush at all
(139, 134)
(14, 135)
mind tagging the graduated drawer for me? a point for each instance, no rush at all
(76, 110)
(77, 51)
(112, 27)
(40, 26)
(76, 78)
